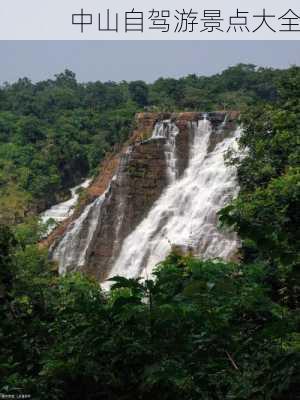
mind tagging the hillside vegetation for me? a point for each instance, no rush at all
(54, 132)
(199, 330)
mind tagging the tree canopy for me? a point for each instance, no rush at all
(197, 330)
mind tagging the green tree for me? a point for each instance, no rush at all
(138, 91)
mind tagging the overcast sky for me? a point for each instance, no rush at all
(132, 60)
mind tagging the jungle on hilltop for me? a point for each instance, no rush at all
(199, 330)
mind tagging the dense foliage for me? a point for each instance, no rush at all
(200, 330)
(54, 132)
(266, 213)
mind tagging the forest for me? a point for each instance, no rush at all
(197, 330)
(54, 132)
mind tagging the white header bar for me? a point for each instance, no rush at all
(156, 20)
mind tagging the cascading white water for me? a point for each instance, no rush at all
(60, 212)
(186, 213)
(168, 131)
(72, 249)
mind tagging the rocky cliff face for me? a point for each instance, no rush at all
(128, 186)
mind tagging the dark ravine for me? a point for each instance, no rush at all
(91, 241)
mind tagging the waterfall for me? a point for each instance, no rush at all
(168, 131)
(72, 249)
(186, 213)
(60, 212)
(120, 234)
